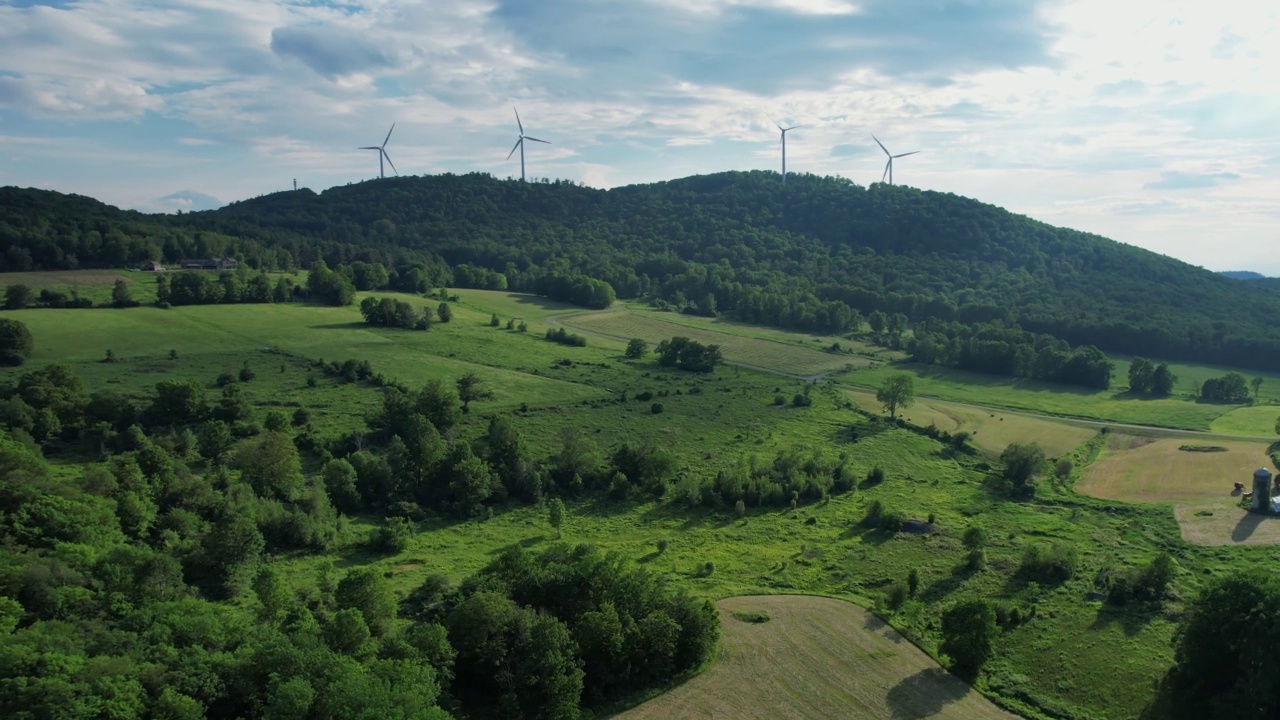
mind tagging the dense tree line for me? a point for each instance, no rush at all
(1146, 378)
(574, 628)
(992, 348)
(820, 256)
(389, 312)
(1230, 388)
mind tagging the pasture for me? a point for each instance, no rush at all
(754, 352)
(1198, 484)
(816, 658)
(992, 430)
(1044, 397)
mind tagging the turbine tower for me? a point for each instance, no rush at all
(520, 143)
(888, 168)
(783, 143)
(382, 153)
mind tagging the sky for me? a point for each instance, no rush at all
(1152, 122)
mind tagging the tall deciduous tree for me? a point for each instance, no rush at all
(968, 630)
(16, 343)
(897, 391)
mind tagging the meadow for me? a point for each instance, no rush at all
(823, 658)
(1062, 662)
(991, 429)
(787, 358)
(1180, 412)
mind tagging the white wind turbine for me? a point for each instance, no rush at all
(520, 143)
(888, 168)
(783, 143)
(382, 153)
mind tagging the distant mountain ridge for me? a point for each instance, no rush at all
(1242, 275)
(806, 255)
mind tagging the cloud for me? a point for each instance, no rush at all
(333, 51)
(186, 201)
(769, 47)
(1189, 181)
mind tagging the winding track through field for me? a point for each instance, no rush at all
(558, 321)
(816, 657)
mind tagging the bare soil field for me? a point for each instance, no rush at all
(816, 658)
(992, 429)
(767, 354)
(1200, 484)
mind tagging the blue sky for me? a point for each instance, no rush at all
(1153, 122)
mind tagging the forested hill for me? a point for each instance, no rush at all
(813, 254)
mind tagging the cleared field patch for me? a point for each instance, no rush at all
(767, 354)
(992, 429)
(508, 305)
(816, 658)
(1251, 420)
(65, 278)
(1200, 484)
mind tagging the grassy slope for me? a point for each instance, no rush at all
(816, 657)
(1065, 659)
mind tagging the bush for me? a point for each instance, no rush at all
(662, 546)
(976, 560)
(16, 343)
(656, 408)
(740, 509)
(896, 597)
(1047, 562)
(801, 400)
(891, 521)
(875, 476)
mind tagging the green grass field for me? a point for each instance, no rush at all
(772, 355)
(1076, 658)
(1042, 397)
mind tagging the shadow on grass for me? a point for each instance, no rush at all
(1132, 619)
(874, 624)
(1248, 523)
(967, 377)
(925, 693)
(342, 326)
(944, 587)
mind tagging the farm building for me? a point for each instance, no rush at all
(152, 266)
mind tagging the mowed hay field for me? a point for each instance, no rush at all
(816, 657)
(766, 354)
(1200, 484)
(993, 430)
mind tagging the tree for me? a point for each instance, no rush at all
(1225, 660)
(555, 514)
(16, 343)
(120, 296)
(444, 312)
(439, 404)
(1163, 380)
(271, 466)
(1021, 462)
(1141, 376)
(1256, 384)
(17, 297)
(637, 348)
(968, 630)
(366, 590)
(469, 388)
(897, 391)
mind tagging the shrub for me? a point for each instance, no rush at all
(875, 509)
(656, 408)
(891, 521)
(16, 342)
(1054, 562)
(896, 597)
(494, 321)
(662, 546)
(779, 400)
(225, 379)
(875, 476)
(301, 417)
(740, 509)
(976, 560)
(247, 373)
(913, 582)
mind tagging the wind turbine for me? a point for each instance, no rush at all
(888, 168)
(783, 143)
(520, 143)
(382, 153)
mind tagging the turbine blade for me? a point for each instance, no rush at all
(384, 142)
(793, 127)
(775, 122)
(371, 147)
(393, 165)
(882, 147)
(518, 124)
(913, 152)
(885, 174)
(526, 137)
(515, 147)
